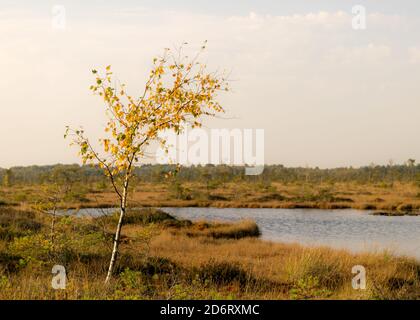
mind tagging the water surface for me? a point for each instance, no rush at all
(350, 229)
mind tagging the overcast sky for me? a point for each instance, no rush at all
(327, 95)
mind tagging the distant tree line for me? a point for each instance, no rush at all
(32, 175)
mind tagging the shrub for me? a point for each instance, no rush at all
(10, 262)
(406, 207)
(34, 247)
(271, 197)
(130, 279)
(147, 215)
(308, 288)
(15, 223)
(328, 272)
(239, 230)
(221, 273)
(10, 215)
(158, 265)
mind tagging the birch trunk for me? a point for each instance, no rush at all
(53, 225)
(118, 233)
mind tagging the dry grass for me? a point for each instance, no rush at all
(277, 269)
(164, 258)
(396, 198)
(242, 229)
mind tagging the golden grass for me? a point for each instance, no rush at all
(398, 198)
(161, 259)
(291, 196)
(284, 265)
(242, 229)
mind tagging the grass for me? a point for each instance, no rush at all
(165, 258)
(398, 198)
(239, 230)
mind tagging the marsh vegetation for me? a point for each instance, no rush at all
(166, 258)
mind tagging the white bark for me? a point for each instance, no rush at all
(118, 233)
(53, 224)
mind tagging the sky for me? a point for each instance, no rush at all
(325, 94)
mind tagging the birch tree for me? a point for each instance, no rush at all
(179, 91)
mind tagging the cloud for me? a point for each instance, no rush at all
(290, 69)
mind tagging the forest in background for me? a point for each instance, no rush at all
(388, 174)
(390, 189)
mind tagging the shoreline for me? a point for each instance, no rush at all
(235, 205)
